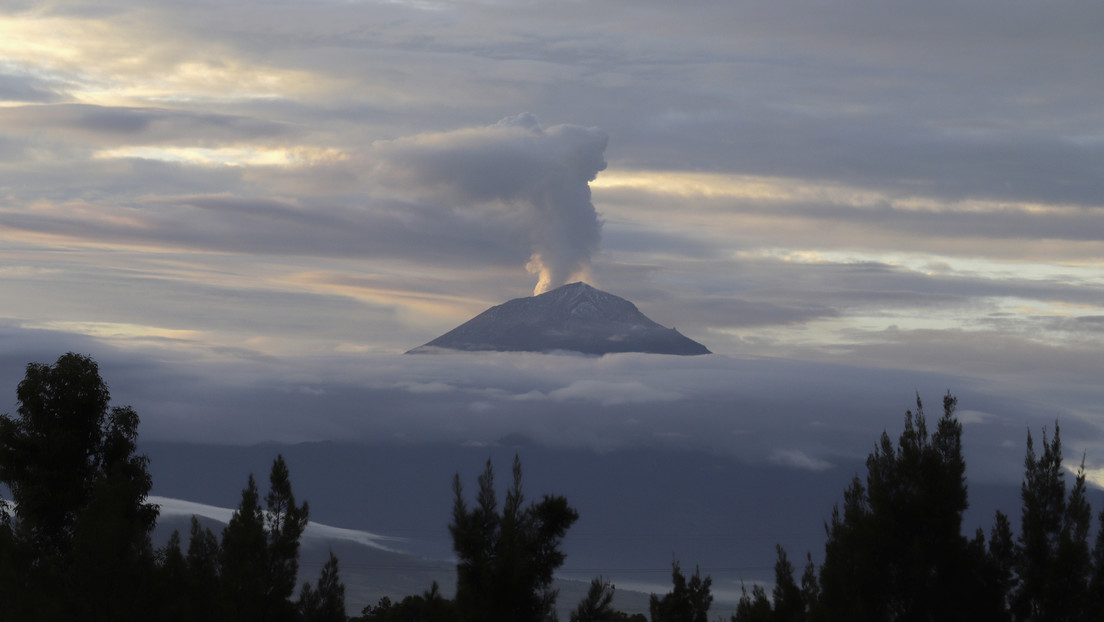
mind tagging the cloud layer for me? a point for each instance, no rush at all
(798, 415)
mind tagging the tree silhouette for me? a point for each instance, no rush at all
(284, 524)
(1053, 562)
(895, 551)
(259, 555)
(80, 525)
(688, 600)
(326, 602)
(597, 605)
(507, 557)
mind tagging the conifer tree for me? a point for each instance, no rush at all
(597, 605)
(810, 586)
(326, 602)
(787, 597)
(172, 572)
(1096, 583)
(259, 555)
(242, 558)
(754, 606)
(284, 524)
(1002, 553)
(896, 551)
(202, 587)
(688, 600)
(507, 558)
(1053, 563)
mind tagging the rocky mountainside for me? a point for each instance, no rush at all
(574, 317)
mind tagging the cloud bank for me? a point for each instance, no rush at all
(800, 415)
(179, 508)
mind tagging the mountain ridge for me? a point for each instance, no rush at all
(575, 317)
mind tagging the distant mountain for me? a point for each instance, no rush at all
(574, 317)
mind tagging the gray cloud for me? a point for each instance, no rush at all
(420, 232)
(22, 88)
(804, 415)
(139, 126)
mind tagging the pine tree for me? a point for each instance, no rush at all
(787, 597)
(753, 607)
(1053, 563)
(326, 603)
(259, 555)
(284, 524)
(243, 559)
(688, 600)
(896, 551)
(172, 573)
(810, 586)
(1002, 555)
(1096, 583)
(507, 558)
(202, 587)
(597, 605)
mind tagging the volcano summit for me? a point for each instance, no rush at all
(575, 317)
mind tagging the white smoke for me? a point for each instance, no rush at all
(540, 175)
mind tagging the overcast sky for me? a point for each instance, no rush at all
(217, 199)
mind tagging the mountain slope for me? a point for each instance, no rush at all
(574, 317)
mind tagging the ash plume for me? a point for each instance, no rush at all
(541, 176)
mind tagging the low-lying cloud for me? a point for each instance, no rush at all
(801, 415)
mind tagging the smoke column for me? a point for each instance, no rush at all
(544, 173)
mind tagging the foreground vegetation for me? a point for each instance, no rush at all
(75, 538)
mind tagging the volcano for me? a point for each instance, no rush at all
(575, 318)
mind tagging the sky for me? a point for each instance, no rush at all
(248, 211)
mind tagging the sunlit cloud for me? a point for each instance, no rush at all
(423, 306)
(130, 58)
(715, 185)
(117, 332)
(230, 156)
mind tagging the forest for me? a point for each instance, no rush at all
(76, 538)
